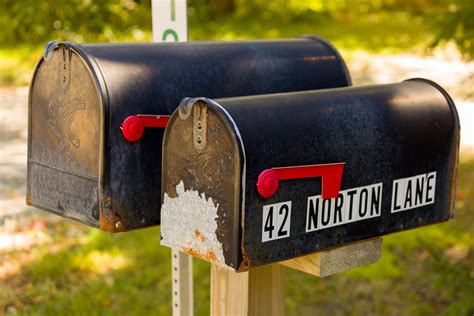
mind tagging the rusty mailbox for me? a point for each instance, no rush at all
(88, 156)
(254, 180)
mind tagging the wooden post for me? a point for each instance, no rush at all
(338, 260)
(259, 292)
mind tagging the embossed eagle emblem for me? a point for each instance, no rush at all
(61, 115)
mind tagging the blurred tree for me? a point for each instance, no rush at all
(211, 9)
(457, 25)
(32, 21)
(224, 6)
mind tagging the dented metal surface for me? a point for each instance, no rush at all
(399, 144)
(79, 164)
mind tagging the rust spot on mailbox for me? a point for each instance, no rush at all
(209, 255)
(199, 235)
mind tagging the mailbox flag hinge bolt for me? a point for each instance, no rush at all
(48, 51)
(184, 108)
(331, 174)
(267, 183)
(133, 127)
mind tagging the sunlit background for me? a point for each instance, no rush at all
(49, 265)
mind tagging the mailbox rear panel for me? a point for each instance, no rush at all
(398, 145)
(80, 166)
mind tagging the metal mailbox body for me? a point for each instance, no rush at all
(395, 146)
(79, 164)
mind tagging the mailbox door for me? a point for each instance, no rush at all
(197, 158)
(64, 137)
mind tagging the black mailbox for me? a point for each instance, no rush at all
(79, 164)
(254, 180)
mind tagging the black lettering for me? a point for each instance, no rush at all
(350, 194)
(313, 214)
(281, 232)
(363, 197)
(395, 195)
(338, 208)
(269, 227)
(375, 203)
(429, 188)
(326, 210)
(419, 191)
(408, 195)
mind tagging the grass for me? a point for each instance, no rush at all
(83, 271)
(395, 32)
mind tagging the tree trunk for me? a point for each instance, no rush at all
(224, 6)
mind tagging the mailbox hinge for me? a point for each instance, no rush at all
(200, 125)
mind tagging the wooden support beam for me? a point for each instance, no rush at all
(258, 292)
(337, 260)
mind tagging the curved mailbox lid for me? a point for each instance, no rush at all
(398, 144)
(111, 183)
(64, 142)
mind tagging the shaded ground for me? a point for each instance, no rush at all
(50, 266)
(13, 148)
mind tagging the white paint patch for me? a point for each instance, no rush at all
(188, 224)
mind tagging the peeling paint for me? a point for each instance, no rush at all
(188, 224)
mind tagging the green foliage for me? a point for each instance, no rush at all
(374, 25)
(457, 25)
(16, 64)
(394, 34)
(34, 22)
